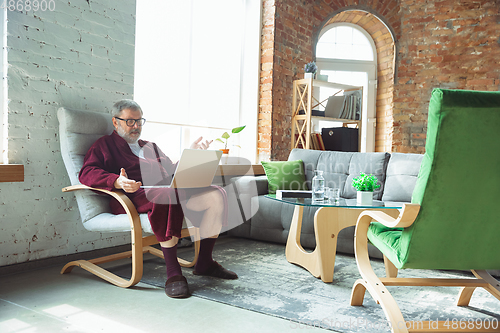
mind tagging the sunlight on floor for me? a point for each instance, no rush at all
(16, 325)
(76, 319)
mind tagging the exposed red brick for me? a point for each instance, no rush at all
(441, 43)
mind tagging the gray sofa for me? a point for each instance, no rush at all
(397, 174)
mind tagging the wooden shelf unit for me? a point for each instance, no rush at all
(303, 99)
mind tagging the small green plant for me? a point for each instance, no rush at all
(310, 67)
(225, 136)
(365, 183)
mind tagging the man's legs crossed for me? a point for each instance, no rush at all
(211, 203)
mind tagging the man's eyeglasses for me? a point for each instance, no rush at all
(132, 122)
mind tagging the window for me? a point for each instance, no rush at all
(347, 54)
(345, 42)
(197, 71)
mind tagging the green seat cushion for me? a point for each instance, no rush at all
(387, 240)
(287, 175)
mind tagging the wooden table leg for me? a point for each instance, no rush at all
(328, 222)
(326, 231)
(294, 251)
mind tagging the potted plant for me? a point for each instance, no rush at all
(225, 136)
(365, 185)
(310, 69)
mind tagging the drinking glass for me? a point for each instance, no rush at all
(334, 194)
(327, 193)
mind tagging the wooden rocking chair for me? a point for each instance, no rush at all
(78, 131)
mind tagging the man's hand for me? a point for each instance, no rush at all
(198, 144)
(128, 185)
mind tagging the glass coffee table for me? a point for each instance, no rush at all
(329, 220)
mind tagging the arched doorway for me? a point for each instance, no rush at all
(346, 53)
(365, 29)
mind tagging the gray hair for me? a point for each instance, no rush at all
(123, 104)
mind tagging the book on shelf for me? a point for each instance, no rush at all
(314, 142)
(354, 100)
(320, 141)
(351, 108)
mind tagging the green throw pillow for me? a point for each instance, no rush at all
(287, 175)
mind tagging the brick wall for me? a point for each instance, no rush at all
(79, 56)
(448, 44)
(445, 44)
(266, 80)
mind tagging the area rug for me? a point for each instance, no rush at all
(269, 284)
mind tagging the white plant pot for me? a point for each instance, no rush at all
(308, 75)
(364, 198)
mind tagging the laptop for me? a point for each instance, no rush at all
(334, 106)
(196, 168)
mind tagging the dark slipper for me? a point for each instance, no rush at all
(177, 287)
(216, 270)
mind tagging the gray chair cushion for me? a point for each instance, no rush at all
(78, 130)
(402, 174)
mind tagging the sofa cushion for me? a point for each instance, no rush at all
(335, 166)
(369, 163)
(401, 176)
(310, 160)
(287, 175)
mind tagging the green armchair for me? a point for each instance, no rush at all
(452, 222)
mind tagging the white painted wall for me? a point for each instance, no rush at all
(79, 56)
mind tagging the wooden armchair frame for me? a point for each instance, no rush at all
(377, 286)
(140, 245)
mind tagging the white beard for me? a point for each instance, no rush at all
(121, 132)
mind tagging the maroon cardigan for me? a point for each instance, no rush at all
(101, 168)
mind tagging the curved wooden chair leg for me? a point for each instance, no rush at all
(493, 284)
(92, 267)
(370, 280)
(102, 273)
(136, 240)
(358, 293)
(195, 233)
(493, 288)
(465, 295)
(390, 270)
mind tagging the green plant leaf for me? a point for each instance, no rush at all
(365, 182)
(225, 135)
(238, 129)
(219, 140)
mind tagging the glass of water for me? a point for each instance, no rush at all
(334, 195)
(327, 193)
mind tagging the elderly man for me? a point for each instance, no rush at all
(115, 161)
